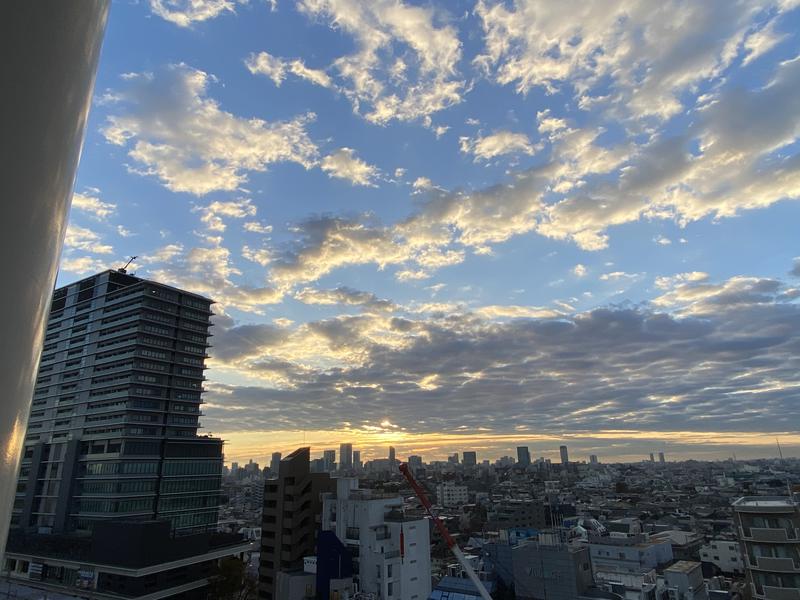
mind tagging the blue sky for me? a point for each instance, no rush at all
(464, 225)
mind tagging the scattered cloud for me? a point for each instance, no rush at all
(496, 144)
(82, 238)
(405, 64)
(189, 143)
(579, 270)
(344, 164)
(93, 206)
(277, 68)
(185, 13)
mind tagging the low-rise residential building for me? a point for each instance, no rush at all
(450, 495)
(724, 555)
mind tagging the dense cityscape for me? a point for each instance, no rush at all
(112, 450)
(400, 300)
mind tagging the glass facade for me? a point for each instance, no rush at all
(113, 427)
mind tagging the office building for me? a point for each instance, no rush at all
(469, 459)
(345, 456)
(414, 462)
(453, 458)
(564, 455)
(523, 456)
(652, 458)
(329, 461)
(392, 455)
(661, 458)
(593, 459)
(290, 518)
(113, 426)
(357, 464)
(112, 447)
(274, 462)
(769, 536)
(451, 495)
(391, 551)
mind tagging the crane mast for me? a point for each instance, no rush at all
(451, 543)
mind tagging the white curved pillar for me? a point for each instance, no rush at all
(49, 51)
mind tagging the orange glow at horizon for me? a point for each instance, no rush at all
(374, 443)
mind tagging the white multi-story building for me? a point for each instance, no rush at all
(725, 554)
(392, 557)
(450, 494)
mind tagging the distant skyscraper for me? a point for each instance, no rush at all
(652, 457)
(357, 464)
(346, 456)
(564, 455)
(593, 459)
(329, 461)
(469, 458)
(523, 456)
(661, 458)
(453, 458)
(113, 425)
(275, 462)
(391, 455)
(414, 462)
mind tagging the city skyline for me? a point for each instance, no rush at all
(424, 229)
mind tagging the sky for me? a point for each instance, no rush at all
(464, 225)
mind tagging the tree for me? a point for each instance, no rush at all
(230, 581)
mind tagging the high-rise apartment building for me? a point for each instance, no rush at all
(564, 455)
(113, 426)
(290, 518)
(116, 492)
(469, 458)
(391, 551)
(329, 461)
(523, 456)
(768, 528)
(345, 456)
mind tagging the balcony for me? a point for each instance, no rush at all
(769, 535)
(776, 593)
(773, 564)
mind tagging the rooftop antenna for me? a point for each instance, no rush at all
(125, 268)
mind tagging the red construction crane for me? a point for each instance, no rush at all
(451, 543)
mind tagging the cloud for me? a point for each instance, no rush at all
(661, 240)
(276, 69)
(343, 296)
(344, 164)
(760, 42)
(93, 206)
(795, 268)
(82, 265)
(620, 370)
(421, 184)
(213, 214)
(185, 13)
(579, 270)
(82, 238)
(619, 275)
(210, 270)
(496, 144)
(261, 256)
(175, 132)
(405, 64)
(255, 227)
(647, 55)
